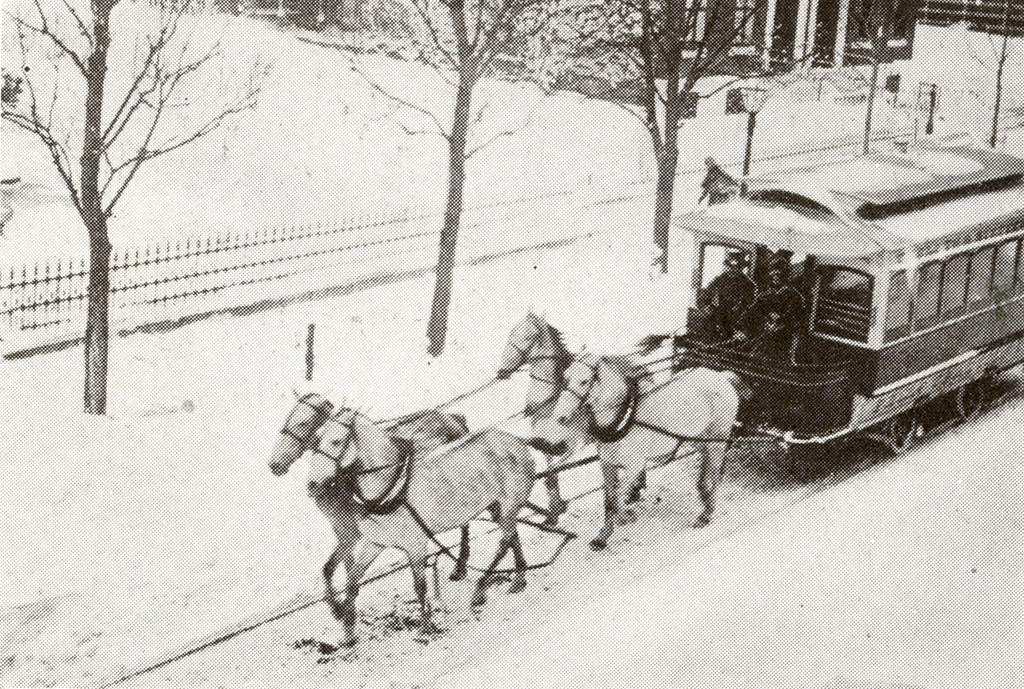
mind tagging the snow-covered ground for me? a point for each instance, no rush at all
(128, 537)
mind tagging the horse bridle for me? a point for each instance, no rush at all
(319, 411)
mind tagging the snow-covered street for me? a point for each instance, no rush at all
(171, 529)
(904, 575)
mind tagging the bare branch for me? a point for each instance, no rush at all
(496, 137)
(46, 32)
(82, 28)
(246, 102)
(435, 37)
(399, 100)
(34, 124)
(127, 107)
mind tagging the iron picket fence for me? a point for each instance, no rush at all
(45, 302)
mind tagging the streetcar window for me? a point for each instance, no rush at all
(1004, 268)
(980, 275)
(928, 287)
(954, 283)
(897, 310)
(844, 303)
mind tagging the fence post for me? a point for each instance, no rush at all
(310, 334)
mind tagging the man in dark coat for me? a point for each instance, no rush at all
(723, 302)
(717, 186)
(772, 324)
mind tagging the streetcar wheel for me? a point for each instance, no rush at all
(900, 432)
(972, 397)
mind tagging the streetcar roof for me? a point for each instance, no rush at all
(875, 204)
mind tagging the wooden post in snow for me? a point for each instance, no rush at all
(310, 334)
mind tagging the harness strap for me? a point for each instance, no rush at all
(395, 495)
(567, 535)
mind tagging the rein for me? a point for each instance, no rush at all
(567, 536)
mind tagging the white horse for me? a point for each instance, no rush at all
(425, 430)
(535, 343)
(384, 494)
(696, 408)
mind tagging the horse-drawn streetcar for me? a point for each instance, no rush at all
(908, 284)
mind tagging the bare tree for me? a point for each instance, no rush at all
(675, 43)
(100, 130)
(460, 39)
(871, 46)
(873, 22)
(691, 39)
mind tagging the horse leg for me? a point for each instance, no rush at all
(418, 565)
(329, 591)
(557, 506)
(629, 487)
(712, 463)
(519, 581)
(480, 594)
(356, 564)
(611, 506)
(634, 495)
(459, 573)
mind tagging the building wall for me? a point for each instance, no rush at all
(988, 16)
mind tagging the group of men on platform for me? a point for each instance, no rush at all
(765, 319)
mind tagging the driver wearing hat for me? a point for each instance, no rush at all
(773, 322)
(722, 303)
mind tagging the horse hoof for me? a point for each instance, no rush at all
(517, 586)
(597, 544)
(458, 575)
(426, 633)
(348, 642)
(479, 598)
(702, 521)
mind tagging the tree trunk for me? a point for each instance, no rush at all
(668, 158)
(999, 79)
(437, 327)
(97, 321)
(97, 325)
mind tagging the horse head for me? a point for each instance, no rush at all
(525, 335)
(552, 434)
(299, 433)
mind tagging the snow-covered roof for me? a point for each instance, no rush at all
(875, 203)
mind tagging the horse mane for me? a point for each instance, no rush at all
(562, 356)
